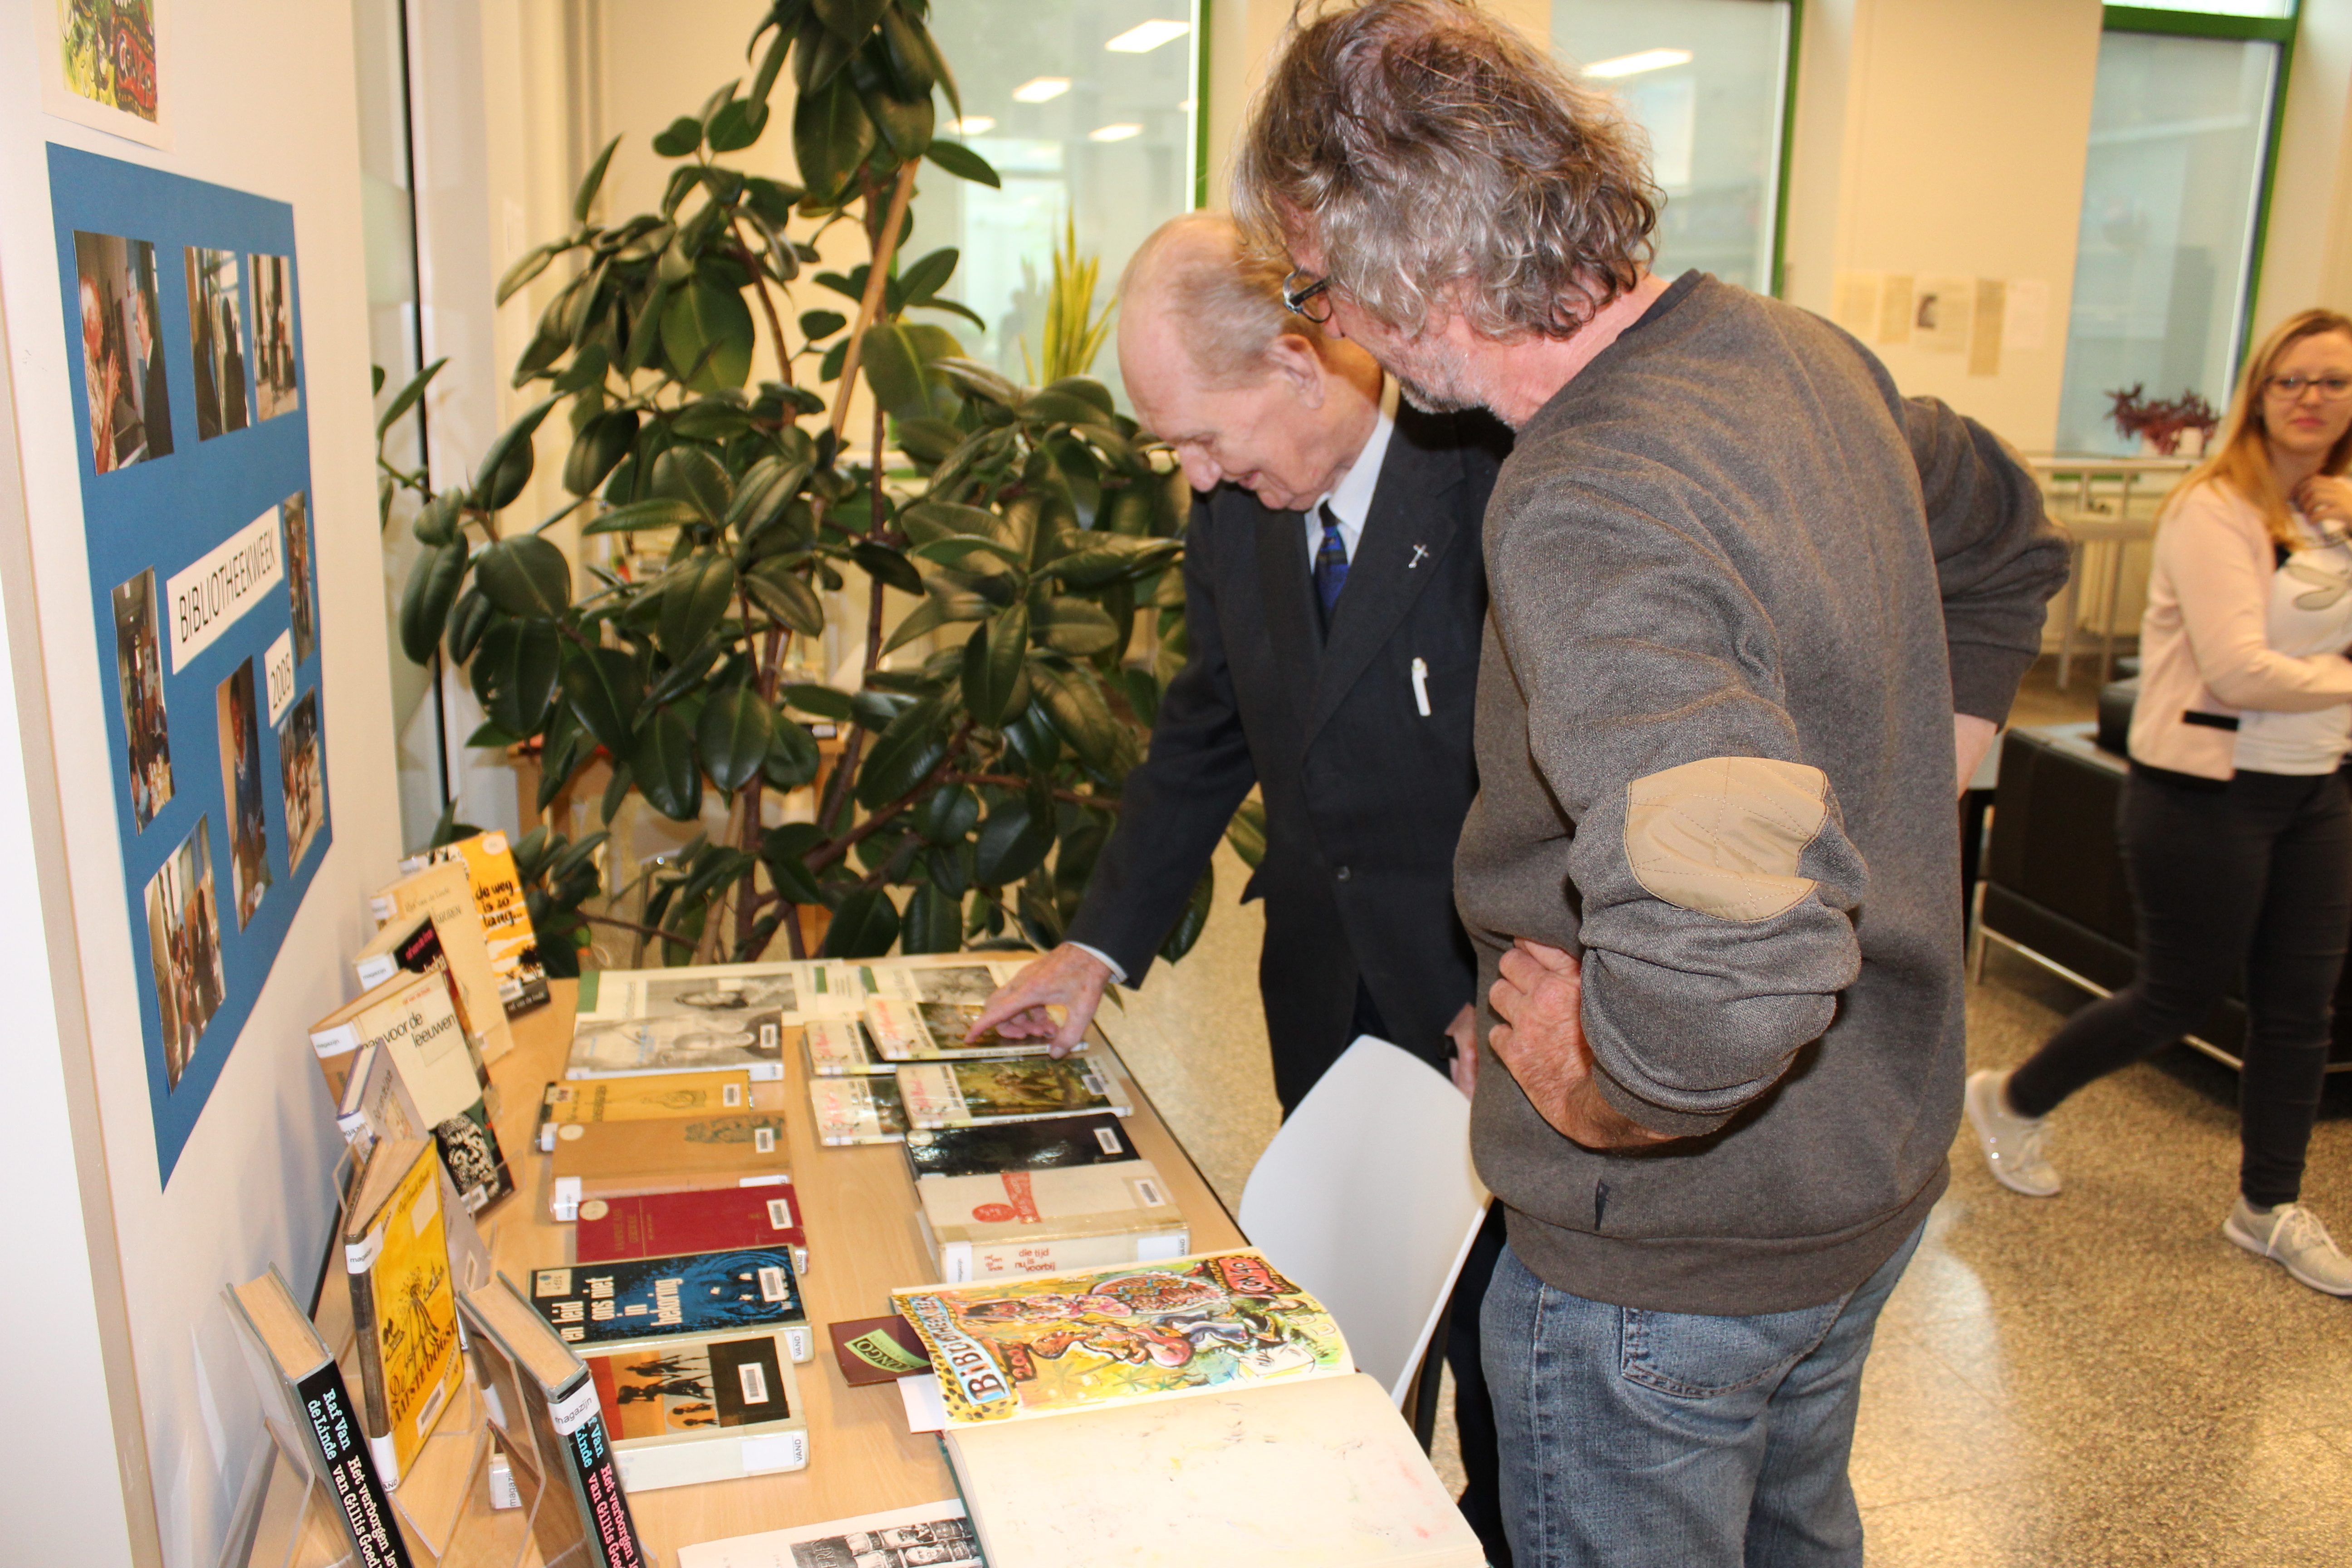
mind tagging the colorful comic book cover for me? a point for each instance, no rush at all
(959, 1093)
(1119, 1335)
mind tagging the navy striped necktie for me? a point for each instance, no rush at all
(1330, 565)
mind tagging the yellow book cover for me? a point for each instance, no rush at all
(1119, 1335)
(650, 1098)
(405, 1311)
(506, 920)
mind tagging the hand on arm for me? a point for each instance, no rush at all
(1069, 977)
(2325, 497)
(1540, 999)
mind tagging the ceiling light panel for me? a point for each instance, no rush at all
(1039, 89)
(1114, 132)
(1634, 65)
(1145, 36)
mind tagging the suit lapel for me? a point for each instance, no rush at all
(1290, 611)
(1387, 574)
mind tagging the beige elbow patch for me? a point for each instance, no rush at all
(1723, 836)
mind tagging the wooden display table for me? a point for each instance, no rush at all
(857, 1205)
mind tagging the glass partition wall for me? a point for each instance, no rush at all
(1708, 80)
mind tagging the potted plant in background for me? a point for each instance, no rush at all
(1030, 524)
(2162, 427)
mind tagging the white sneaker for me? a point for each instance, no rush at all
(2016, 1148)
(2293, 1236)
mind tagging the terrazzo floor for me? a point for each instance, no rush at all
(2095, 1379)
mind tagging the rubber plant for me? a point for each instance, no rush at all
(970, 795)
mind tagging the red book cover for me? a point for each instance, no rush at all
(664, 1224)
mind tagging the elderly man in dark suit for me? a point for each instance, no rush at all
(1334, 596)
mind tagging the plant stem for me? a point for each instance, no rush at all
(878, 274)
(759, 281)
(1010, 781)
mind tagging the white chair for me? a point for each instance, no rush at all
(1366, 1198)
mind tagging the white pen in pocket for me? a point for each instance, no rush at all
(1421, 686)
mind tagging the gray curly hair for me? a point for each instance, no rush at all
(1440, 161)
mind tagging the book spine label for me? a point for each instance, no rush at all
(595, 1479)
(376, 968)
(347, 1472)
(334, 1042)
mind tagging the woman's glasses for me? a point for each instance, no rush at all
(2288, 388)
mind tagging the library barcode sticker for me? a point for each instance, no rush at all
(1149, 1191)
(1108, 1139)
(780, 1215)
(772, 1287)
(763, 1140)
(768, 1037)
(1094, 1083)
(731, 1095)
(754, 1379)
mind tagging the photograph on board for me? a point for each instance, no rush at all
(305, 772)
(294, 519)
(249, 828)
(109, 49)
(273, 382)
(139, 666)
(184, 945)
(216, 329)
(129, 408)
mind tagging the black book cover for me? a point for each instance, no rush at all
(471, 1153)
(1019, 1146)
(595, 1479)
(347, 1471)
(614, 1302)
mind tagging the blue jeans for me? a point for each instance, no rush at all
(1640, 1439)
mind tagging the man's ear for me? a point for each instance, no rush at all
(1293, 361)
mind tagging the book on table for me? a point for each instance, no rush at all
(928, 1535)
(905, 1031)
(419, 1051)
(857, 1109)
(445, 893)
(995, 1146)
(633, 1301)
(403, 1300)
(489, 866)
(999, 1089)
(833, 1047)
(1005, 1223)
(309, 1414)
(376, 1104)
(665, 1225)
(1200, 1410)
(412, 945)
(703, 1409)
(543, 1401)
(664, 1097)
(683, 1154)
(679, 1043)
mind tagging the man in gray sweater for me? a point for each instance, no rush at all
(1754, 615)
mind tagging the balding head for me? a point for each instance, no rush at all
(1241, 388)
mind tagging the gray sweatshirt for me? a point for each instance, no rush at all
(1739, 587)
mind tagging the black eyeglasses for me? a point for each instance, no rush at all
(2291, 388)
(1311, 299)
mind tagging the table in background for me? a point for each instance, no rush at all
(857, 1205)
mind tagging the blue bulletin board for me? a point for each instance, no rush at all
(184, 333)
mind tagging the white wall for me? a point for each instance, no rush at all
(2308, 258)
(259, 98)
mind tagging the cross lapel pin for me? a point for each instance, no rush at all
(1420, 554)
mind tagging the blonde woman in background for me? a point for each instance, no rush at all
(2236, 827)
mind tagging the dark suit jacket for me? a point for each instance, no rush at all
(1364, 796)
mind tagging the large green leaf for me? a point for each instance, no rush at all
(425, 602)
(711, 419)
(643, 516)
(1194, 920)
(1077, 628)
(707, 333)
(735, 730)
(1012, 843)
(793, 758)
(692, 475)
(589, 183)
(767, 487)
(1078, 712)
(785, 848)
(680, 138)
(851, 19)
(781, 591)
(885, 564)
(527, 576)
(819, 54)
(505, 467)
(907, 53)
(1101, 559)
(516, 666)
(738, 124)
(832, 136)
(824, 702)
(991, 663)
(694, 597)
(962, 163)
(405, 398)
(865, 926)
(1246, 833)
(470, 619)
(929, 519)
(894, 372)
(933, 922)
(905, 123)
(598, 449)
(604, 689)
(665, 769)
(903, 755)
(947, 814)
(440, 520)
